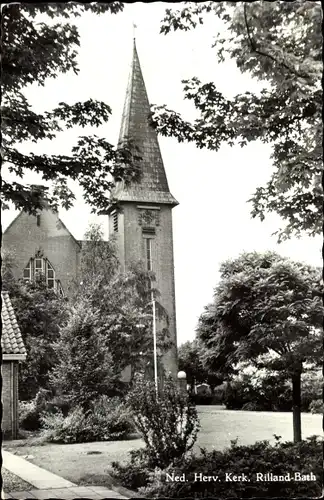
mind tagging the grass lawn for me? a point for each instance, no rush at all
(87, 463)
(219, 426)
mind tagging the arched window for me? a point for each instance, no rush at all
(39, 267)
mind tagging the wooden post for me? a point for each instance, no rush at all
(296, 396)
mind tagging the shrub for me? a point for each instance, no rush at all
(168, 423)
(136, 473)
(30, 411)
(205, 396)
(251, 406)
(28, 415)
(283, 400)
(270, 393)
(74, 428)
(106, 420)
(219, 394)
(280, 459)
(58, 403)
(317, 406)
(235, 395)
(202, 399)
(311, 388)
(110, 417)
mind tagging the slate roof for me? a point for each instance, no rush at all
(11, 339)
(153, 185)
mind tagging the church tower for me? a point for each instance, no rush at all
(142, 225)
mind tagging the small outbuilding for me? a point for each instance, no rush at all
(13, 352)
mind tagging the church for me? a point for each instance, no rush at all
(141, 222)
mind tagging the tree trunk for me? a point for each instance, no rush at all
(296, 400)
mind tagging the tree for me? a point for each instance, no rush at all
(40, 313)
(84, 368)
(34, 50)
(109, 327)
(267, 311)
(7, 276)
(279, 43)
(98, 258)
(189, 358)
(124, 302)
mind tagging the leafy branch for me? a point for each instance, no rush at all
(254, 48)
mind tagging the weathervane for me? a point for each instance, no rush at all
(134, 30)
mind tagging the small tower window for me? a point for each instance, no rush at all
(38, 220)
(148, 251)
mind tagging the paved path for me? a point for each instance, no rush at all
(48, 485)
(74, 492)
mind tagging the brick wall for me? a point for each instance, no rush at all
(9, 398)
(24, 238)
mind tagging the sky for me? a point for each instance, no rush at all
(212, 222)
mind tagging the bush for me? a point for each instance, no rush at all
(283, 459)
(251, 406)
(235, 395)
(311, 388)
(29, 418)
(207, 396)
(75, 428)
(30, 411)
(271, 393)
(56, 404)
(202, 399)
(317, 406)
(219, 394)
(106, 420)
(111, 417)
(136, 473)
(168, 423)
(268, 392)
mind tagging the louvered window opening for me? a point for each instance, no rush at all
(115, 222)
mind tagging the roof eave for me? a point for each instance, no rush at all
(14, 357)
(147, 198)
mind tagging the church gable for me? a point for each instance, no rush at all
(45, 224)
(42, 240)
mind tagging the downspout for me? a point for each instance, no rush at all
(12, 400)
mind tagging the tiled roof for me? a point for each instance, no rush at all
(153, 186)
(11, 339)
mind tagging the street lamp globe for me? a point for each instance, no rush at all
(182, 375)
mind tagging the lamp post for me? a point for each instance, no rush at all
(182, 381)
(154, 345)
(154, 342)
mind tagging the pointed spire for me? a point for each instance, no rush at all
(153, 185)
